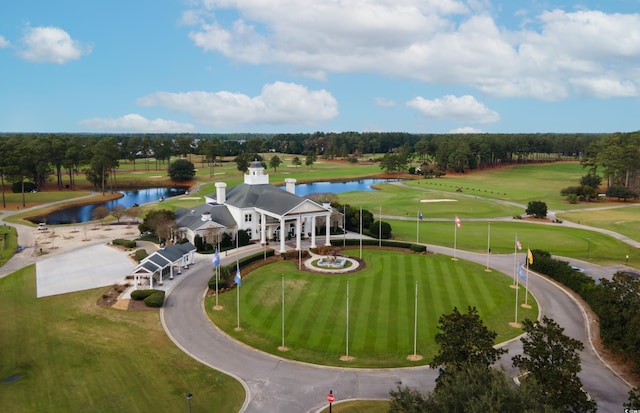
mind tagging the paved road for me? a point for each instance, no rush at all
(275, 384)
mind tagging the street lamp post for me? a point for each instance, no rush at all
(189, 396)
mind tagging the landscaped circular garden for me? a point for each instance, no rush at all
(382, 299)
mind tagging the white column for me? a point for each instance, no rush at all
(282, 235)
(161, 282)
(298, 232)
(327, 241)
(313, 232)
(263, 229)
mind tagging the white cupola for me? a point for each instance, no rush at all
(256, 175)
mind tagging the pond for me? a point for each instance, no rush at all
(84, 213)
(339, 187)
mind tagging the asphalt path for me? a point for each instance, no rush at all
(275, 384)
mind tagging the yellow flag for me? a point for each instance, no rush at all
(529, 256)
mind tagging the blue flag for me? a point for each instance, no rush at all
(522, 274)
(216, 259)
(237, 279)
(420, 215)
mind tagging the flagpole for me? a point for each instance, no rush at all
(488, 246)
(360, 232)
(526, 286)
(344, 225)
(455, 236)
(346, 357)
(238, 305)
(515, 262)
(380, 227)
(415, 323)
(238, 281)
(516, 320)
(282, 347)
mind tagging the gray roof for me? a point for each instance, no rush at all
(175, 252)
(192, 218)
(164, 257)
(265, 196)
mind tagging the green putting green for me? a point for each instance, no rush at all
(382, 299)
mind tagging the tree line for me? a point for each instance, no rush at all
(35, 157)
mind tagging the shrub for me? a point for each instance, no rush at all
(141, 294)
(16, 187)
(572, 198)
(418, 248)
(376, 228)
(124, 242)
(156, 299)
(141, 254)
(222, 283)
(537, 208)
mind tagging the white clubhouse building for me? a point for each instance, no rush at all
(264, 211)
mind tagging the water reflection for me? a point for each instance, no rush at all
(339, 187)
(84, 213)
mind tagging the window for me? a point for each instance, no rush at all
(248, 217)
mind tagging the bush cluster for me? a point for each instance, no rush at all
(562, 272)
(124, 242)
(141, 254)
(151, 298)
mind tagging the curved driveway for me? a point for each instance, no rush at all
(274, 384)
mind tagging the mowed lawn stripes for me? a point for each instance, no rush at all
(382, 298)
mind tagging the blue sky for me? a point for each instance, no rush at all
(225, 66)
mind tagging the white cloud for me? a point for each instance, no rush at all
(441, 42)
(135, 123)
(462, 109)
(465, 130)
(51, 45)
(4, 42)
(279, 103)
(385, 103)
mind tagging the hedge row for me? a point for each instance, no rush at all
(227, 272)
(384, 243)
(124, 242)
(151, 298)
(562, 272)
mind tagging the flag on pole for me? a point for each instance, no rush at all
(458, 223)
(521, 273)
(237, 279)
(216, 259)
(518, 245)
(420, 215)
(529, 256)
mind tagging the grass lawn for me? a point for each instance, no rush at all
(8, 243)
(408, 200)
(66, 354)
(520, 183)
(625, 221)
(381, 308)
(557, 239)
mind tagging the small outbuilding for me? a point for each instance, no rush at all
(164, 263)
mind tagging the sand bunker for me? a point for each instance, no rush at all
(438, 200)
